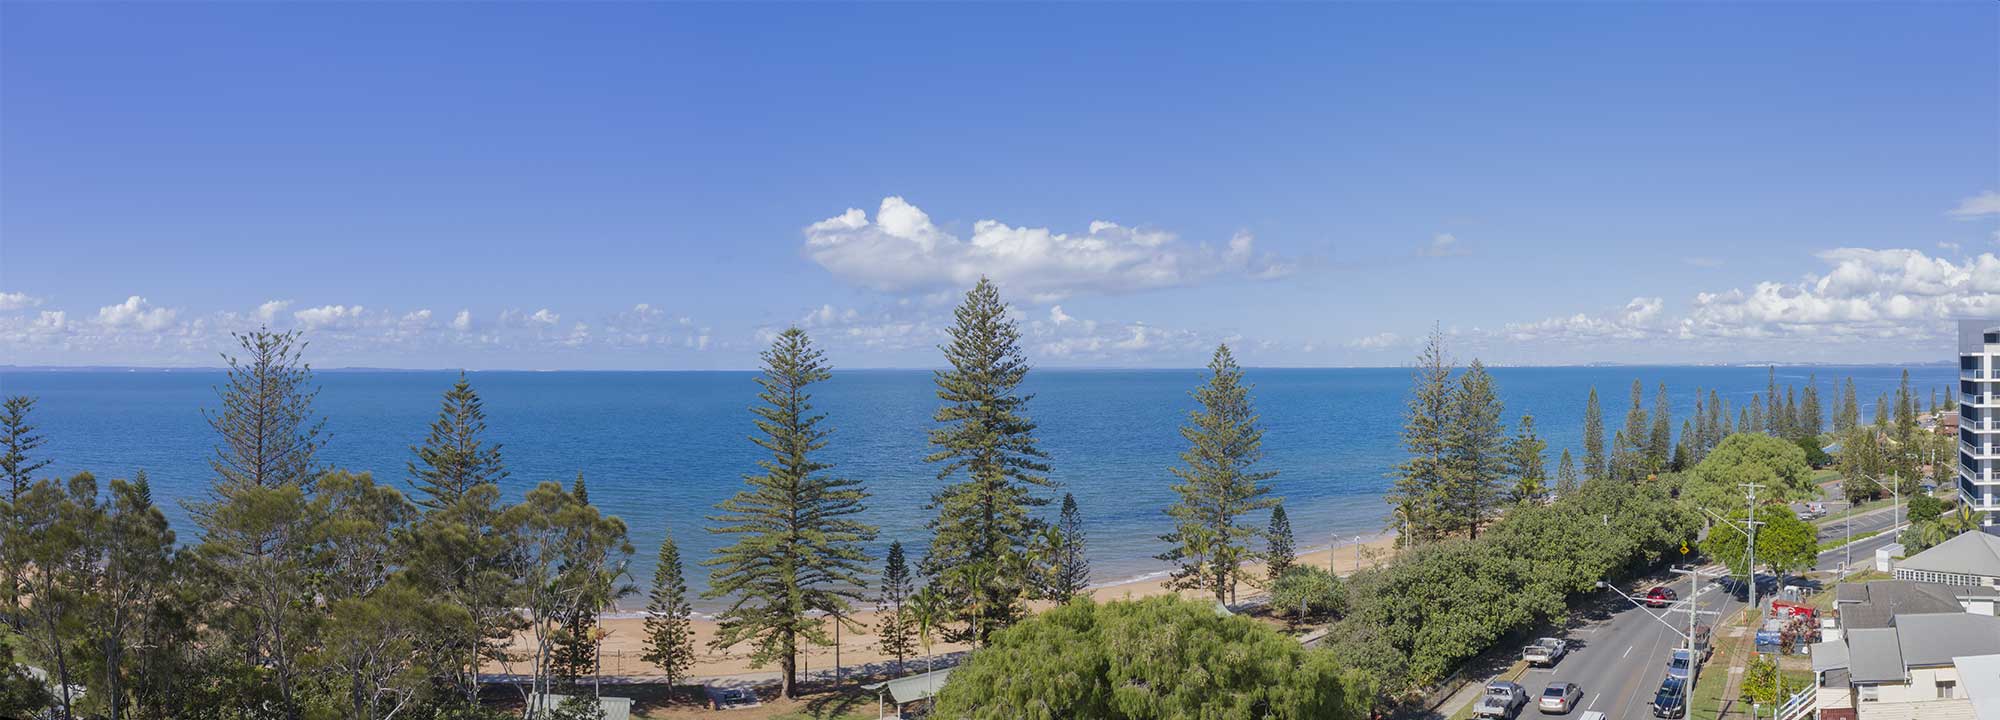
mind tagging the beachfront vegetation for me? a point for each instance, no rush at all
(1160, 657)
(1785, 544)
(895, 635)
(1278, 553)
(669, 629)
(1306, 593)
(1063, 553)
(798, 552)
(985, 525)
(1219, 485)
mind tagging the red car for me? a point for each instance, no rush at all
(1660, 597)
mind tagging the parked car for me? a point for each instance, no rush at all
(1682, 664)
(1661, 596)
(1545, 652)
(1559, 698)
(1594, 715)
(1671, 700)
(1502, 699)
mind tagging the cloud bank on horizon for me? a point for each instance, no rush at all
(913, 269)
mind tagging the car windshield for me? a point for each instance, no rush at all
(1555, 691)
(1498, 692)
(1679, 662)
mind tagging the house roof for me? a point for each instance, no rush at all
(1980, 676)
(1829, 656)
(1932, 640)
(1875, 656)
(1876, 604)
(1973, 553)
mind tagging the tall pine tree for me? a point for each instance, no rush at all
(669, 629)
(1070, 569)
(1566, 479)
(1628, 458)
(18, 442)
(980, 538)
(1660, 442)
(895, 633)
(1850, 410)
(454, 457)
(1279, 555)
(1812, 416)
(1219, 484)
(797, 551)
(1524, 462)
(1419, 511)
(1475, 451)
(1596, 466)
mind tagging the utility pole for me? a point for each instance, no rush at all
(1694, 612)
(1756, 613)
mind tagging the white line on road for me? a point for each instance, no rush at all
(1628, 652)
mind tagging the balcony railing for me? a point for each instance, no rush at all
(1980, 426)
(1989, 476)
(1981, 400)
(1982, 452)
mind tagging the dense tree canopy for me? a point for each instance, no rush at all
(1161, 657)
(1777, 465)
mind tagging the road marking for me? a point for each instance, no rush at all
(1593, 703)
(1628, 652)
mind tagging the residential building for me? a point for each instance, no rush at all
(1979, 675)
(1969, 560)
(1979, 419)
(1906, 671)
(1876, 604)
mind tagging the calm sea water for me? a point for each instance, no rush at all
(659, 449)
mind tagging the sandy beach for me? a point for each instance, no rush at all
(625, 633)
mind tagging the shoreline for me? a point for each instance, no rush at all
(625, 630)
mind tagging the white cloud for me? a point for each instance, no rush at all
(268, 312)
(462, 322)
(52, 320)
(1378, 341)
(135, 312)
(1867, 293)
(1442, 245)
(1977, 206)
(903, 251)
(17, 301)
(545, 317)
(327, 316)
(828, 315)
(1057, 316)
(1639, 318)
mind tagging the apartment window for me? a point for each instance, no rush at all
(1947, 689)
(1868, 693)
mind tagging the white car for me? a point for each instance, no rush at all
(1594, 715)
(1559, 698)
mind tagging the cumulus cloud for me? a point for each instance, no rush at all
(1866, 293)
(545, 317)
(267, 313)
(1977, 206)
(1639, 318)
(135, 312)
(17, 301)
(327, 316)
(902, 250)
(462, 322)
(1441, 245)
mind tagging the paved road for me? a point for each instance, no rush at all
(1620, 659)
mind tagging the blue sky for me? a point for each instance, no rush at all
(662, 186)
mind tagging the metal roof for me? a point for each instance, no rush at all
(1829, 656)
(1972, 553)
(1875, 656)
(1932, 640)
(1980, 676)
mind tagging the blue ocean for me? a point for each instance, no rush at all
(660, 449)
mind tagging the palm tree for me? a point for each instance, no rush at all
(928, 612)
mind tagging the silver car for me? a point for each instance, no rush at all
(1559, 698)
